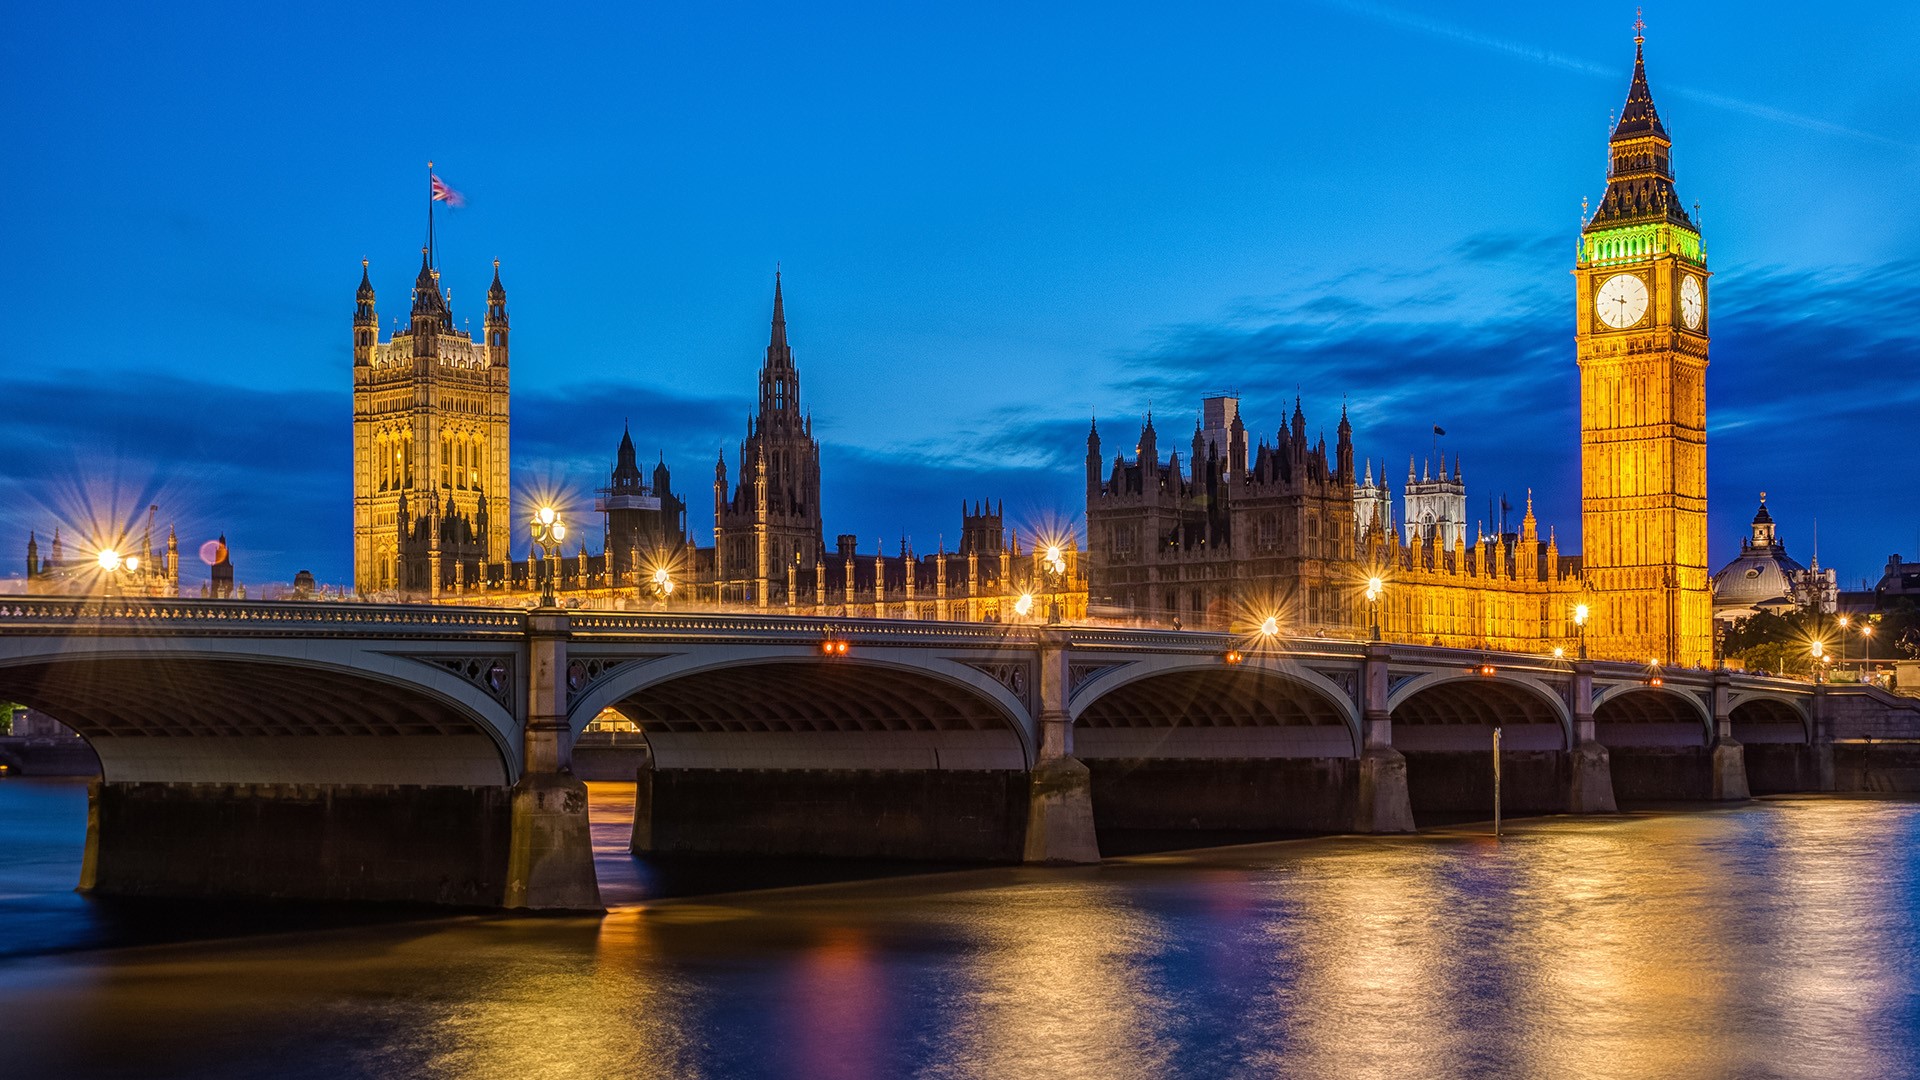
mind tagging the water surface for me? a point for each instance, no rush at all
(1774, 939)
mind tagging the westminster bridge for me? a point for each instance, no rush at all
(352, 751)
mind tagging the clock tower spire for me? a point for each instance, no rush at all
(1641, 338)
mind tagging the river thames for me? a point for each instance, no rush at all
(1779, 938)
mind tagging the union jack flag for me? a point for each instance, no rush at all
(445, 194)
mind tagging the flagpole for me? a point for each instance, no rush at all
(429, 213)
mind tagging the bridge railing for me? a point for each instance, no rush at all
(136, 615)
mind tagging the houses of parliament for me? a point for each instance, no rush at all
(1245, 527)
(433, 511)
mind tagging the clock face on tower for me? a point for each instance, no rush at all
(1621, 301)
(1692, 305)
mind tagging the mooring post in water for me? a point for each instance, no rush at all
(1496, 779)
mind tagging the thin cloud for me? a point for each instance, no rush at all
(1381, 13)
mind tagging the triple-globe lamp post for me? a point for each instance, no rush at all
(1053, 567)
(549, 532)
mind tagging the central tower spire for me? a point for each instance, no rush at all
(771, 526)
(777, 343)
(779, 379)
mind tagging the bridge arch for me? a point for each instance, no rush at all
(264, 711)
(792, 708)
(1261, 707)
(1770, 718)
(1443, 700)
(1636, 714)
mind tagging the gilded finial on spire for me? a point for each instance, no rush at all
(1639, 27)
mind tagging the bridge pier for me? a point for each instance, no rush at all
(1729, 766)
(1589, 772)
(1822, 742)
(1381, 801)
(550, 847)
(1060, 789)
(640, 841)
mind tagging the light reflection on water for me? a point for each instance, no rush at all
(1779, 938)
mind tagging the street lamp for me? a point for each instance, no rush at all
(1023, 607)
(112, 564)
(1053, 566)
(548, 534)
(1580, 626)
(1819, 653)
(663, 585)
(1844, 622)
(1270, 626)
(1374, 589)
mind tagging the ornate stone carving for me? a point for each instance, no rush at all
(1079, 675)
(492, 674)
(1015, 675)
(1346, 679)
(584, 672)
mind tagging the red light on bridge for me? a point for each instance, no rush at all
(1233, 656)
(833, 648)
(1655, 680)
(1485, 670)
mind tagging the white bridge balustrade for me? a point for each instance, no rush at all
(430, 753)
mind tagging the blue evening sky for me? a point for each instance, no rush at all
(994, 222)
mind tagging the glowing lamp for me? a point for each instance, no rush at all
(1559, 653)
(1055, 561)
(1233, 656)
(546, 515)
(133, 563)
(1270, 626)
(109, 559)
(1023, 606)
(1579, 614)
(1485, 670)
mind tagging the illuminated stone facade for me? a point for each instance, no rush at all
(1215, 545)
(432, 505)
(1297, 537)
(1641, 330)
(1511, 591)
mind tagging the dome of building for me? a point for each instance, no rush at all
(1762, 572)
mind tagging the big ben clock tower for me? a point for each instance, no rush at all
(1641, 278)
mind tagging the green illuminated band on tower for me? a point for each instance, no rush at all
(1628, 242)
